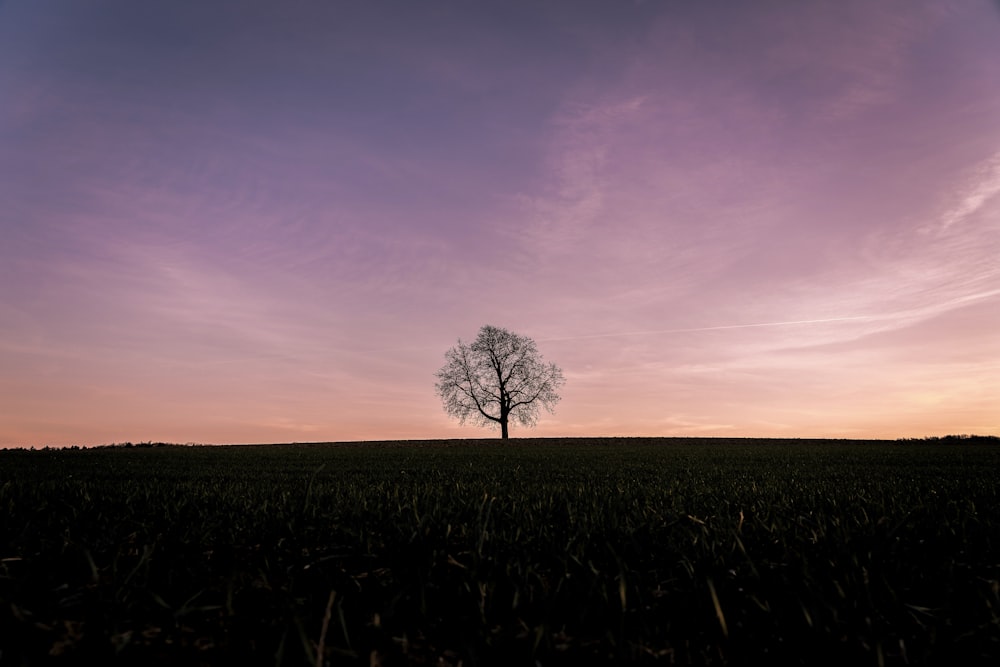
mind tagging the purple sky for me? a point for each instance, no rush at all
(257, 221)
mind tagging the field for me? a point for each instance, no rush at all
(550, 552)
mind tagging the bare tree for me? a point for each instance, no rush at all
(497, 378)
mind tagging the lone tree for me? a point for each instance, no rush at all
(498, 378)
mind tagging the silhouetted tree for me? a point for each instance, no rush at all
(497, 378)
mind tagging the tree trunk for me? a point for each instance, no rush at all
(503, 428)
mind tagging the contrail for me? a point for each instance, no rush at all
(858, 318)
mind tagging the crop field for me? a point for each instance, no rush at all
(548, 552)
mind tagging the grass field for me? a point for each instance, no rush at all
(550, 552)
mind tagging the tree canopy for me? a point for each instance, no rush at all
(497, 378)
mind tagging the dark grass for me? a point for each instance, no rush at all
(551, 552)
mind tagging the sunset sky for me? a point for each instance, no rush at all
(249, 221)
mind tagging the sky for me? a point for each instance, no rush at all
(257, 221)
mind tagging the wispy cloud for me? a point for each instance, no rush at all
(722, 327)
(982, 187)
(569, 208)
